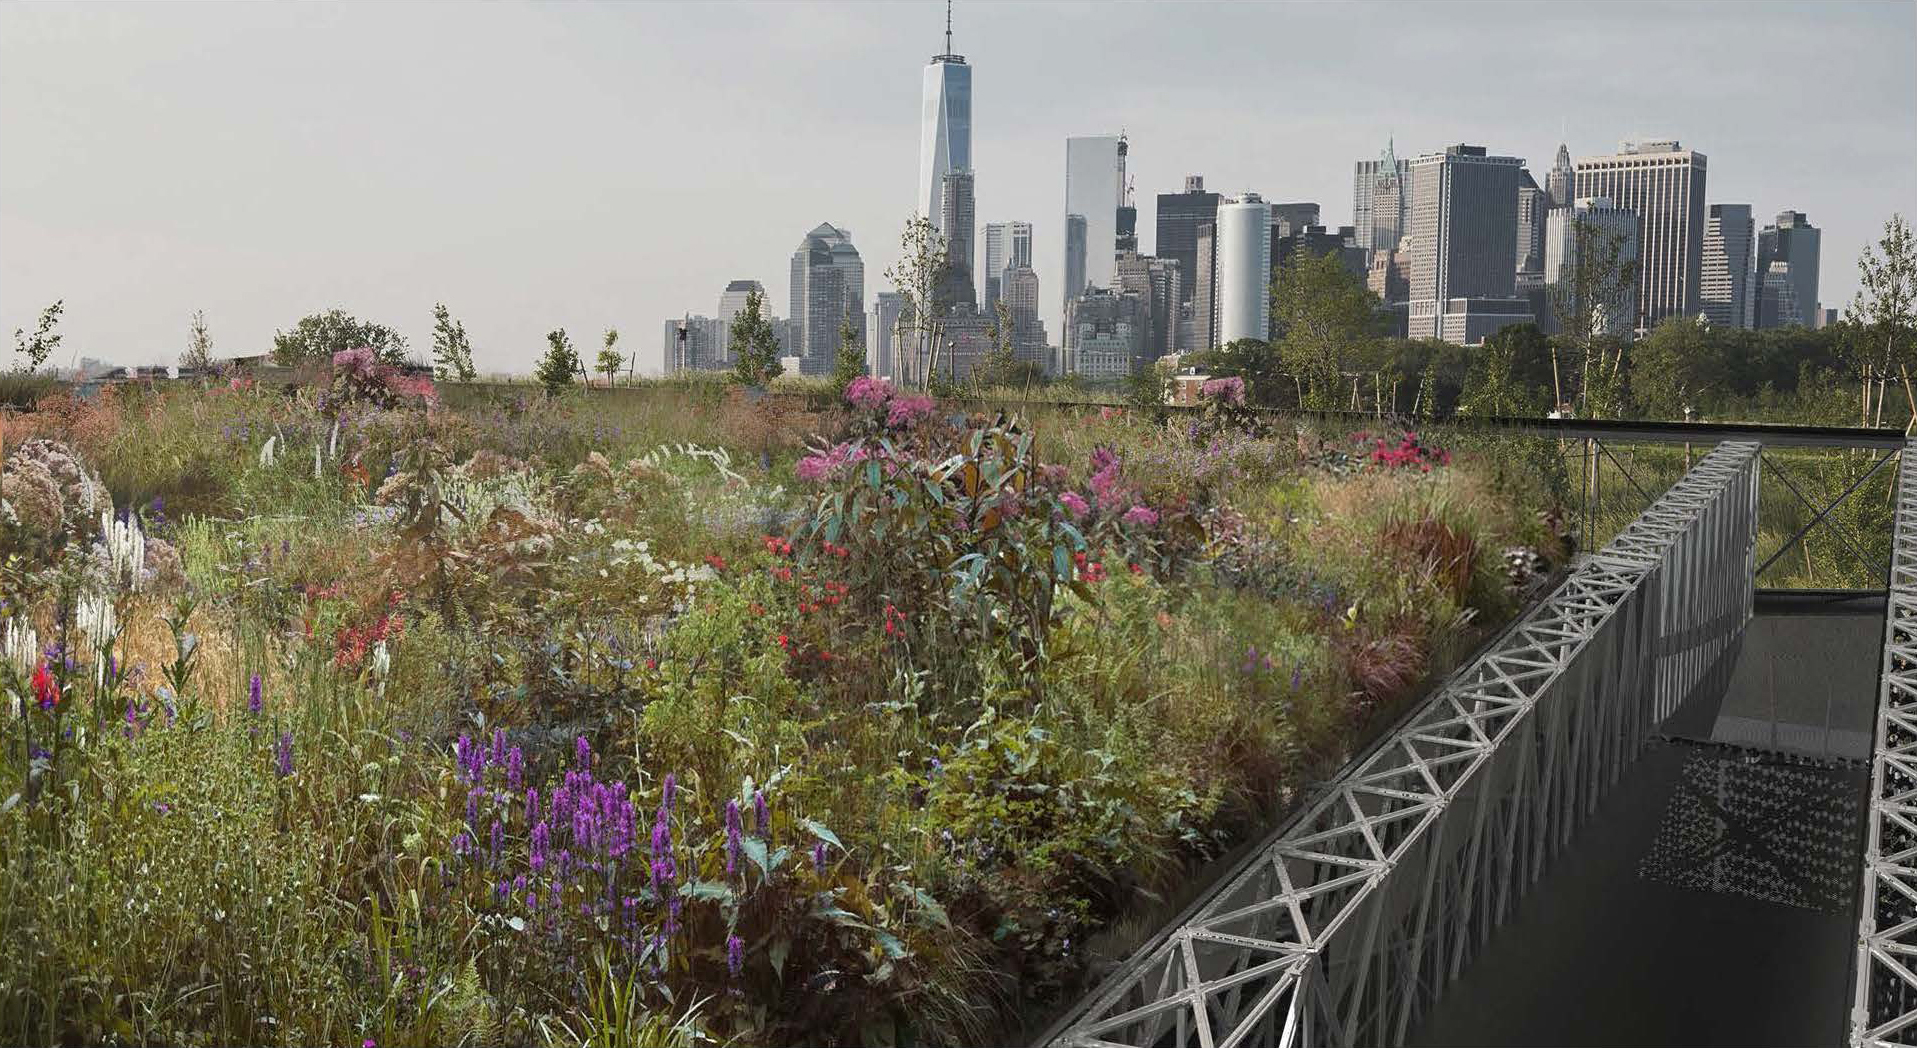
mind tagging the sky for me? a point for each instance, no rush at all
(586, 166)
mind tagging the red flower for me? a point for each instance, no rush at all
(45, 688)
(717, 562)
(784, 640)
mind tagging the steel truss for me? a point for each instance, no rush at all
(1884, 981)
(1345, 927)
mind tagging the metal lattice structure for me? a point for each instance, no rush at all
(1884, 1008)
(1345, 927)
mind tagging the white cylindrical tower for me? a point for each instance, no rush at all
(1244, 269)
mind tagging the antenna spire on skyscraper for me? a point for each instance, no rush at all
(948, 26)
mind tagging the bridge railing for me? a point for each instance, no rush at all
(1884, 979)
(1345, 927)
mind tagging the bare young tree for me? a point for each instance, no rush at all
(917, 276)
(1885, 310)
(198, 356)
(1592, 300)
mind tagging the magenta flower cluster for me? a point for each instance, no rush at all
(1224, 390)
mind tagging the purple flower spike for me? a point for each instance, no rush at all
(515, 769)
(735, 955)
(671, 788)
(733, 830)
(761, 814)
(584, 750)
(283, 755)
(818, 857)
(254, 700)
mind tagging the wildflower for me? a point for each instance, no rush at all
(733, 831)
(583, 750)
(1141, 516)
(867, 393)
(1297, 673)
(254, 701)
(283, 755)
(1072, 501)
(46, 690)
(818, 857)
(515, 769)
(735, 954)
(761, 814)
(907, 411)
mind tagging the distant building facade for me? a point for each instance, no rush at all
(1107, 336)
(882, 334)
(958, 289)
(1533, 205)
(945, 130)
(1093, 193)
(1378, 199)
(1663, 184)
(1561, 183)
(1463, 230)
(1787, 253)
(828, 286)
(1728, 281)
(1179, 216)
(1600, 218)
(1243, 269)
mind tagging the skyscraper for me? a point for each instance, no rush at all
(1108, 333)
(828, 286)
(1244, 269)
(1092, 190)
(1179, 216)
(1790, 242)
(1558, 185)
(1601, 220)
(731, 301)
(1378, 199)
(1533, 205)
(1075, 237)
(1204, 297)
(1155, 280)
(1293, 218)
(1028, 331)
(882, 334)
(1125, 236)
(1727, 283)
(958, 289)
(994, 267)
(1664, 184)
(1020, 234)
(1464, 234)
(945, 130)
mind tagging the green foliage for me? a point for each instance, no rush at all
(316, 338)
(850, 363)
(559, 365)
(1326, 319)
(452, 353)
(1258, 363)
(610, 359)
(198, 355)
(754, 345)
(1500, 384)
(44, 340)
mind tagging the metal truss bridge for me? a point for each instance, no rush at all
(1409, 899)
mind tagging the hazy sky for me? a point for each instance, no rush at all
(578, 165)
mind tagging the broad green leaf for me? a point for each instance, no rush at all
(706, 890)
(776, 953)
(754, 849)
(821, 833)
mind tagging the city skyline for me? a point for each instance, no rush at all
(142, 186)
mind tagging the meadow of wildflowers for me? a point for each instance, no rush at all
(364, 712)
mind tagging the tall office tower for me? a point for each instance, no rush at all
(995, 246)
(1155, 280)
(1126, 222)
(882, 334)
(1793, 241)
(1075, 237)
(1204, 296)
(731, 301)
(1092, 175)
(1179, 216)
(1728, 278)
(1602, 220)
(1316, 242)
(1777, 302)
(828, 286)
(1028, 331)
(945, 131)
(1664, 184)
(1020, 239)
(1559, 184)
(1464, 230)
(959, 290)
(699, 349)
(1244, 269)
(1533, 205)
(1378, 199)
(1294, 218)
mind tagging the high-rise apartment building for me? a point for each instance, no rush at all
(882, 334)
(1093, 190)
(1204, 297)
(1075, 237)
(1179, 216)
(828, 286)
(1464, 234)
(1028, 330)
(1533, 205)
(945, 127)
(1664, 184)
(1562, 181)
(994, 265)
(1244, 269)
(1788, 246)
(959, 289)
(1728, 280)
(1593, 222)
(1378, 199)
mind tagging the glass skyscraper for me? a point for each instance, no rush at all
(945, 130)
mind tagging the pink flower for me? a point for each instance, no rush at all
(1228, 390)
(1071, 500)
(1141, 516)
(358, 361)
(867, 393)
(907, 411)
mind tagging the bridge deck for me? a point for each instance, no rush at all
(1711, 899)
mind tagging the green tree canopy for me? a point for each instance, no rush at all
(753, 344)
(452, 354)
(1502, 380)
(559, 365)
(610, 359)
(44, 340)
(850, 363)
(316, 338)
(1329, 320)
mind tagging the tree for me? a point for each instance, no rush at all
(1676, 362)
(998, 366)
(316, 338)
(44, 340)
(1251, 359)
(1885, 313)
(1497, 386)
(558, 366)
(1593, 301)
(1328, 318)
(917, 276)
(851, 360)
(452, 354)
(753, 344)
(610, 358)
(198, 356)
